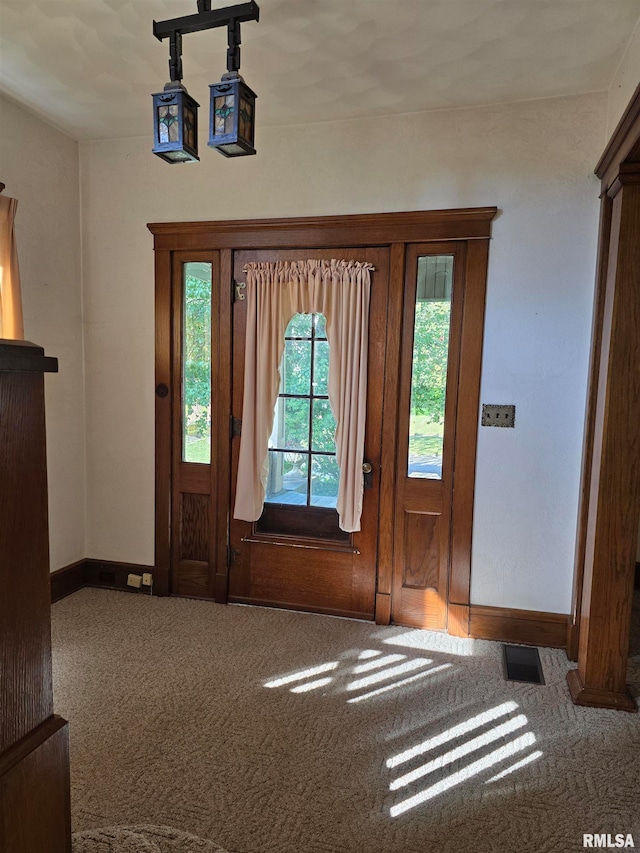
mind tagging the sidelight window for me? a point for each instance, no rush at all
(429, 366)
(303, 469)
(196, 363)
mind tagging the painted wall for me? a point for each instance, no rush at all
(39, 165)
(533, 160)
(625, 81)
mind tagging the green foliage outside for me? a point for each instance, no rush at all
(294, 413)
(430, 350)
(197, 367)
(199, 451)
(431, 341)
(429, 379)
(425, 437)
(197, 354)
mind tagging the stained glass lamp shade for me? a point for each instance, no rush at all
(175, 125)
(232, 116)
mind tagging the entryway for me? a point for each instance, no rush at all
(408, 557)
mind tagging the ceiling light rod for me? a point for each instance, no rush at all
(206, 19)
(230, 16)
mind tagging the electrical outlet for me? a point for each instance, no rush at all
(147, 579)
(134, 580)
(498, 416)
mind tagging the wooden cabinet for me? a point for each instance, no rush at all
(34, 759)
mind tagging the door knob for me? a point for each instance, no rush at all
(367, 471)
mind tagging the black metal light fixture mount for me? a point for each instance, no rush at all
(175, 112)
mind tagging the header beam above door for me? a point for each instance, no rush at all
(327, 231)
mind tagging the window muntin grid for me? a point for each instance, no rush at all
(303, 469)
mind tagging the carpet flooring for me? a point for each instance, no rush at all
(265, 731)
(140, 839)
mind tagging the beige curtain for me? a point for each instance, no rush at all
(275, 293)
(10, 299)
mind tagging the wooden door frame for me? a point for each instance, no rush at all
(393, 230)
(598, 634)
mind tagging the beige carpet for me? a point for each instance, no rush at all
(263, 730)
(140, 839)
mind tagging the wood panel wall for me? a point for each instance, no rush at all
(34, 762)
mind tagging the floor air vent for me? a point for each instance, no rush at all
(522, 663)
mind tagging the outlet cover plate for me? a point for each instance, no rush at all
(498, 415)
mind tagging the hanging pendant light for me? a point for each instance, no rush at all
(232, 105)
(175, 125)
(175, 112)
(232, 116)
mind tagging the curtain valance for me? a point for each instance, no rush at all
(275, 293)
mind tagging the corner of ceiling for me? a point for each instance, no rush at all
(624, 81)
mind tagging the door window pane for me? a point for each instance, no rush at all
(325, 478)
(295, 369)
(291, 424)
(288, 478)
(429, 365)
(299, 326)
(320, 326)
(321, 367)
(196, 363)
(323, 431)
(302, 453)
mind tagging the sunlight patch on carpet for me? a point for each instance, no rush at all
(302, 674)
(407, 666)
(428, 641)
(465, 740)
(377, 663)
(452, 733)
(465, 773)
(473, 745)
(403, 681)
(522, 763)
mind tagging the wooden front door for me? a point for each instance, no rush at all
(295, 555)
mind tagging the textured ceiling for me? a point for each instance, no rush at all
(89, 66)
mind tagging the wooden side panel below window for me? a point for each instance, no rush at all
(194, 527)
(421, 550)
(193, 543)
(195, 532)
